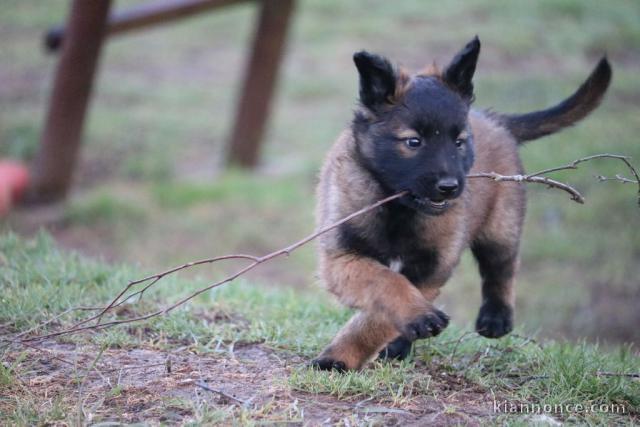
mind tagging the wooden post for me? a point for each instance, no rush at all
(60, 141)
(259, 81)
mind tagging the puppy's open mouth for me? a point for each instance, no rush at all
(426, 202)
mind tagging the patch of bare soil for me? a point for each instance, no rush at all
(132, 385)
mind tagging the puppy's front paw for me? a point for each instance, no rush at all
(494, 320)
(328, 364)
(428, 325)
(397, 349)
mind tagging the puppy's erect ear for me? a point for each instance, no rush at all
(459, 73)
(377, 79)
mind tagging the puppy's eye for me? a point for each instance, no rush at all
(413, 142)
(460, 142)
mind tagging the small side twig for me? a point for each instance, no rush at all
(574, 165)
(537, 177)
(207, 387)
(526, 340)
(50, 353)
(618, 177)
(54, 318)
(618, 374)
(458, 342)
(158, 276)
(551, 183)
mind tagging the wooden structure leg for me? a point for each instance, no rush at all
(243, 147)
(72, 85)
(81, 40)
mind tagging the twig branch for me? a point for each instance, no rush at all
(256, 261)
(537, 177)
(575, 163)
(207, 387)
(552, 183)
(50, 353)
(617, 177)
(54, 318)
(156, 277)
(618, 374)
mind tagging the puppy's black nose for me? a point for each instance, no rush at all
(447, 186)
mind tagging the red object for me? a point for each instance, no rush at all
(14, 179)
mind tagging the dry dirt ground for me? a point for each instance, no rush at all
(249, 382)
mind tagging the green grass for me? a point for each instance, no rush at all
(21, 142)
(102, 208)
(38, 281)
(232, 187)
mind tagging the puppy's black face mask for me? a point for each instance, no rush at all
(413, 134)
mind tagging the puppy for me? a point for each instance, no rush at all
(419, 133)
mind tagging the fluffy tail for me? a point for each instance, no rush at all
(530, 126)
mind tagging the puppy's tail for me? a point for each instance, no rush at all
(530, 126)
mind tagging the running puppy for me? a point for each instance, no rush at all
(418, 133)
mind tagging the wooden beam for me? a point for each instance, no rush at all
(143, 16)
(72, 85)
(243, 147)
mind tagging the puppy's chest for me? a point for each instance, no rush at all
(410, 251)
(400, 239)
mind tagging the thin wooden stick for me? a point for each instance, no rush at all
(575, 163)
(537, 177)
(575, 194)
(207, 387)
(618, 374)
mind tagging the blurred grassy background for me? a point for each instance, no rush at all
(150, 188)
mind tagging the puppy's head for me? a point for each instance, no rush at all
(412, 131)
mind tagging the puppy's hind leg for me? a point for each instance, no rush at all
(398, 349)
(498, 263)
